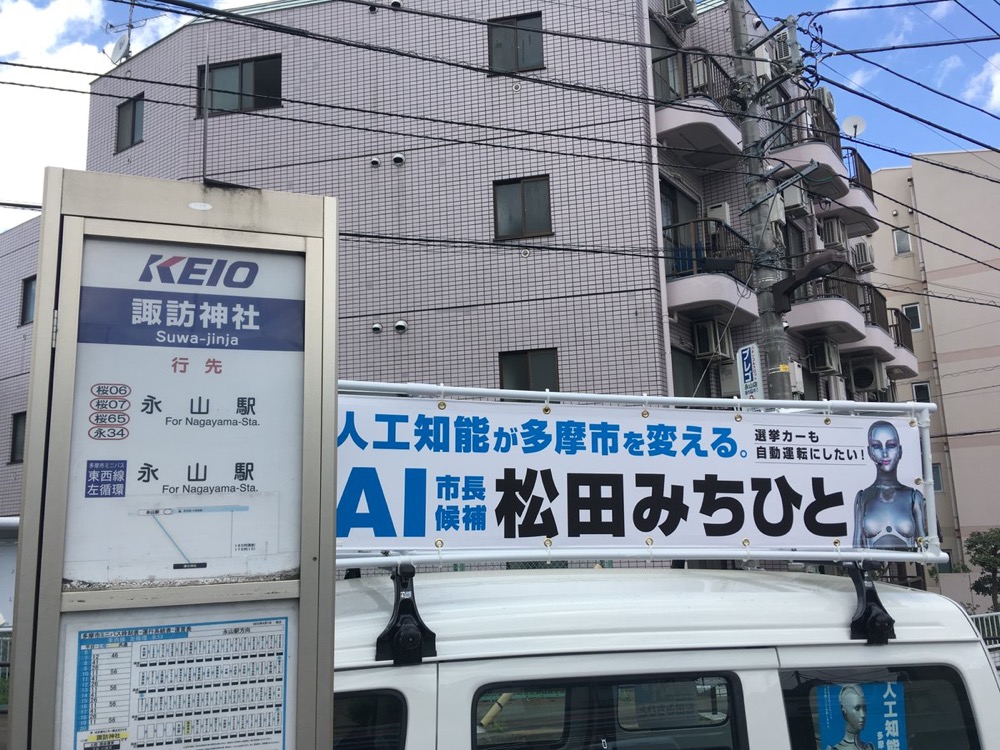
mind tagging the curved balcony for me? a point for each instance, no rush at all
(812, 136)
(709, 270)
(695, 114)
(877, 342)
(904, 364)
(828, 307)
(857, 208)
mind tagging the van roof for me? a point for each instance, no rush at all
(495, 614)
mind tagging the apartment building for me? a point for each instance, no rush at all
(940, 258)
(533, 194)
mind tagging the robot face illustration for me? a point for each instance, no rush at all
(883, 447)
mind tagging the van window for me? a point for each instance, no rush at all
(628, 713)
(369, 720)
(884, 708)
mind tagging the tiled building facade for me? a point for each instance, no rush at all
(560, 209)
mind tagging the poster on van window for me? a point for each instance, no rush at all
(867, 716)
(422, 474)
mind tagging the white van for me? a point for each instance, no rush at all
(654, 659)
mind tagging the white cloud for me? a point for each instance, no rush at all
(855, 7)
(939, 11)
(860, 77)
(900, 30)
(983, 89)
(945, 68)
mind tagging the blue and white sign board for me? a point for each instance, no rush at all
(868, 715)
(187, 677)
(187, 420)
(414, 476)
(748, 361)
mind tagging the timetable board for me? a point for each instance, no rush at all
(209, 679)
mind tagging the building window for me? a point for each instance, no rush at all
(922, 392)
(912, 312)
(521, 207)
(936, 478)
(27, 300)
(901, 240)
(668, 82)
(533, 370)
(18, 423)
(241, 86)
(130, 123)
(516, 43)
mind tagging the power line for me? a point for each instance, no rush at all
(913, 45)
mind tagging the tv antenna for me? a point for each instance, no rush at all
(123, 45)
(853, 125)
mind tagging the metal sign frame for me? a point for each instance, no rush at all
(80, 207)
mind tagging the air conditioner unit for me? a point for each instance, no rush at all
(863, 257)
(712, 339)
(824, 356)
(867, 375)
(833, 233)
(699, 75)
(786, 47)
(720, 212)
(681, 11)
(796, 377)
(796, 201)
(836, 388)
(826, 99)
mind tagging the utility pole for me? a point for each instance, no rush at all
(766, 256)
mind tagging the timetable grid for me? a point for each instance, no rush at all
(203, 685)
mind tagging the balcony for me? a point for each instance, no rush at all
(812, 136)
(877, 341)
(857, 208)
(695, 113)
(709, 271)
(904, 364)
(830, 307)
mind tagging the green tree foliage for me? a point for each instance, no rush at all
(983, 551)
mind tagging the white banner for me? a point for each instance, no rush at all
(415, 476)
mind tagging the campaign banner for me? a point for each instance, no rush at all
(417, 474)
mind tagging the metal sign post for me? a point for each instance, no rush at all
(171, 560)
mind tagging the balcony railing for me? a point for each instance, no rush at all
(707, 246)
(859, 172)
(842, 284)
(692, 72)
(815, 123)
(874, 307)
(900, 329)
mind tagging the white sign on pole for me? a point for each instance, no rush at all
(201, 677)
(412, 475)
(187, 420)
(749, 373)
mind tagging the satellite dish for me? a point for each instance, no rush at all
(121, 49)
(853, 125)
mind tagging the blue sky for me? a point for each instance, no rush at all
(46, 127)
(968, 72)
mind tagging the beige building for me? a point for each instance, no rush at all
(944, 211)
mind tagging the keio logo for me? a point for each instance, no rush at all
(179, 269)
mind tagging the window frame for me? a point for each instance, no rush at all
(902, 232)
(29, 290)
(509, 25)
(921, 384)
(344, 695)
(135, 109)
(920, 320)
(271, 100)
(18, 435)
(528, 356)
(522, 182)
